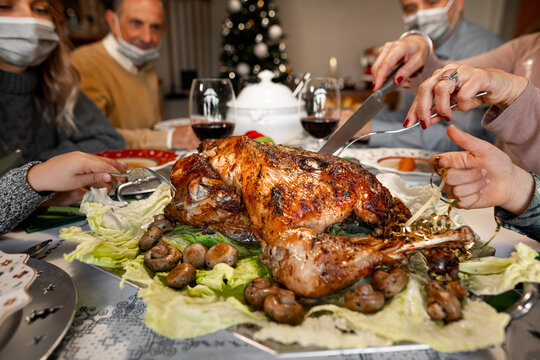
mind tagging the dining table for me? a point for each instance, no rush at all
(108, 322)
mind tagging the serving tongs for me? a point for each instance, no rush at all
(139, 176)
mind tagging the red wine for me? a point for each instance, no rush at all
(213, 130)
(319, 127)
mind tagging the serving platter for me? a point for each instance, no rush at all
(246, 332)
(386, 160)
(34, 331)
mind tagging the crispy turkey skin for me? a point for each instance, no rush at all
(284, 197)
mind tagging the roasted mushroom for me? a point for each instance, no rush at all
(181, 276)
(163, 223)
(195, 254)
(456, 288)
(443, 261)
(391, 283)
(256, 291)
(364, 298)
(283, 307)
(221, 253)
(150, 238)
(162, 257)
(160, 217)
(442, 303)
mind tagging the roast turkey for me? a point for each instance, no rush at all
(284, 198)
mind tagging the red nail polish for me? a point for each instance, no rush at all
(406, 123)
(399, 79)
(447, 119)
(423, 124)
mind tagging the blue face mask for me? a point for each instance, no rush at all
(136, 55)
(26, 42)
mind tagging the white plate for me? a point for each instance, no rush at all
(15, 278)
(170, 124)
(387, 159)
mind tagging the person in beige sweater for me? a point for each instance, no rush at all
(117, 74)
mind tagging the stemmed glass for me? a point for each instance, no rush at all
(212, 108)
(320, 107)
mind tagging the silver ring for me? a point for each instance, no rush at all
(453, 76)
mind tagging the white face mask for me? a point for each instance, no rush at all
(432, 22)
(136, 55)
(26, 41)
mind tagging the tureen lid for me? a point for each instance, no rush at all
(266, 94)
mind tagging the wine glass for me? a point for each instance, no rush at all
(320, 107)
(212, 108)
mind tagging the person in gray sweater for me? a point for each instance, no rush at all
(42, 110)
(60, 180)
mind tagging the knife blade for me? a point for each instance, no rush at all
(36, 249)
(360, 117)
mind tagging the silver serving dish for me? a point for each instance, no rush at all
(246, 332)
(34, 331)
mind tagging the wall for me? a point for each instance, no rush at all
(319, 29)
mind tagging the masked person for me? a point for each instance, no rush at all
(117, 74)
(454, 38)
(42, 110)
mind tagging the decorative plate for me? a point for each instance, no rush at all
(388, 159)
(150, 158)
(15, 278)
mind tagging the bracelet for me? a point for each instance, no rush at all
(418, 32)
(169, 139)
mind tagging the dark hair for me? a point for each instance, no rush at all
(60, 80)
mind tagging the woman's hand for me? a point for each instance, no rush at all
(483, 176)
(443, 89)
(412, 51)
(69, 174)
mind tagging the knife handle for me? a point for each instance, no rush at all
(388, 86)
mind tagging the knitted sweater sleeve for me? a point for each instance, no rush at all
(17, 198)
(95, 133)
(528, 222)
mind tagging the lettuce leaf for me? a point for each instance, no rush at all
(403, 319)
(492, 275)
(215, 303)
(116, 227)
(177, 315)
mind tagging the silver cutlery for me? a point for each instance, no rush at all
(35, 250)
(141, 175)
(395, 131)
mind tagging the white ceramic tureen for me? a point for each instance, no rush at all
(268, 108)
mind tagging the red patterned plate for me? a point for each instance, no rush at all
(141, 157)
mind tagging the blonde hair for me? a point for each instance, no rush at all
(60, 81)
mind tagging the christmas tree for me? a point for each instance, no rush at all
(252, 41)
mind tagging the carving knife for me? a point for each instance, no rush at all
(373, 104)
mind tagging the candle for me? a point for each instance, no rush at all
(333, 66)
